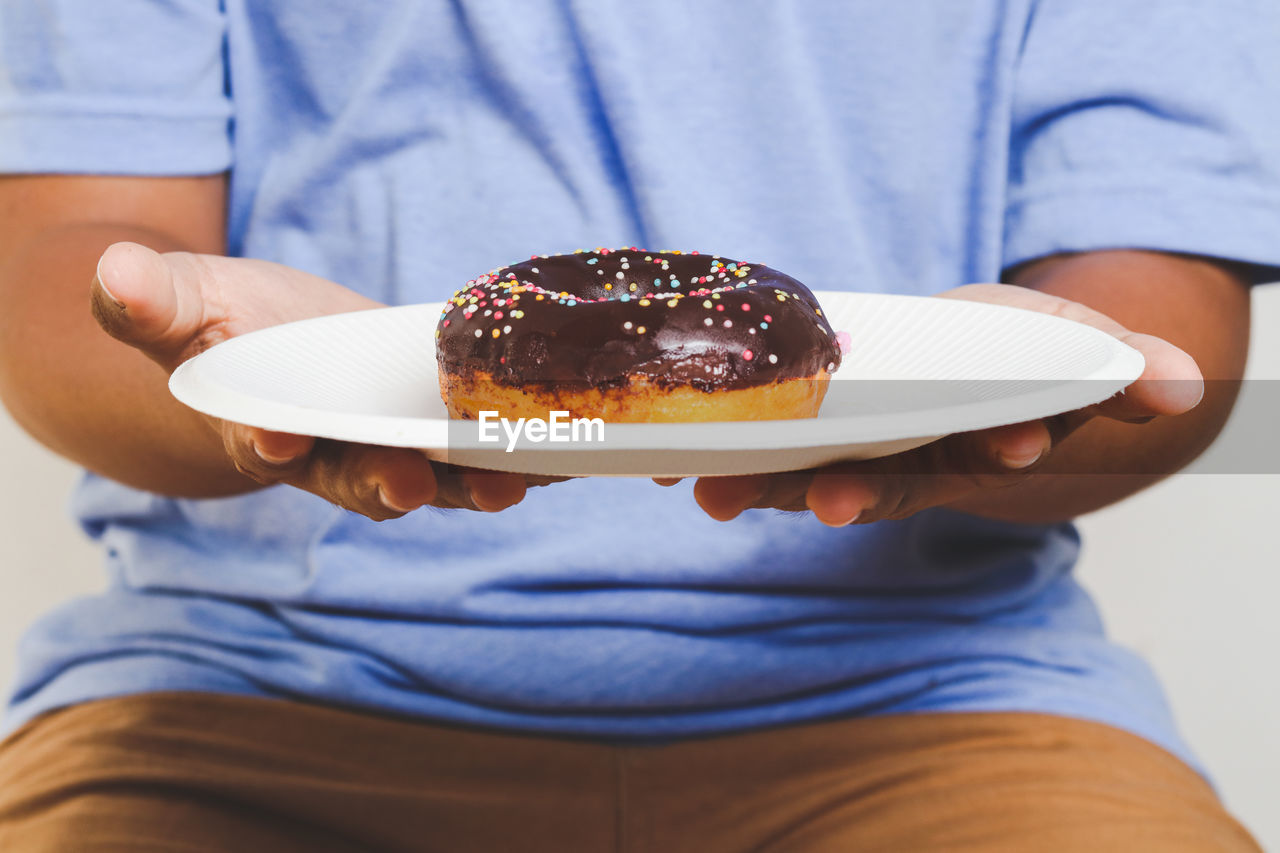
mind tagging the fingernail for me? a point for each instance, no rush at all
(269, 458)
(846, 522)
(390, 504)
(97, 276)
(483, 507)
(1016, 462)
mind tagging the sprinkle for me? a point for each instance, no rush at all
(671, 303)
(746, 355)
(506, 330)
(640, 330)
(773, 359)
(497, 315)
(593, 260)
(750, 331)
(719, 307)
(768, 318)
(479, 333)
(608, 286)
(627, 325)
(619, 275)
(728, 324)
(572, 302)
(644, 302)
(496, 333)
(632, 287)
(706, 303)
(746, 307)
(764, 325)
(707, 321)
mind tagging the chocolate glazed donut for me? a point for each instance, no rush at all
(628, 335)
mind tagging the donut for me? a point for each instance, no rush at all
(628, 335)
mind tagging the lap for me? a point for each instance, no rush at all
(204, 772)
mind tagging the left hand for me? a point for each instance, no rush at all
(963, 465)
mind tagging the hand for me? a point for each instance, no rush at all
(174, 306)
(961, 467)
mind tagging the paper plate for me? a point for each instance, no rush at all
(919, 368)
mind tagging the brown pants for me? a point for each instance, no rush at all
(201, 772)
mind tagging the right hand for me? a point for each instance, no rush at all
(174, 306)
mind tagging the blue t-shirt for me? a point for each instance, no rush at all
(403, 147)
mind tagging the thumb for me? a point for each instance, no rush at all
(150, 301)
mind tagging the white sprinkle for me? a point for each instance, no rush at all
(506, 330)
(728, 324)
(488, 311)
(773, 359)
(627, 325)
(478, 333)
(534, 270)
(707, 321)
(620, 275)
(751, 331)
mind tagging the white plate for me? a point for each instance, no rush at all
(919, 368)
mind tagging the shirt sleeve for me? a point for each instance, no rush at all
(1148, 125)
(129, 87)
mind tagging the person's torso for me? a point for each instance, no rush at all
(402, 148)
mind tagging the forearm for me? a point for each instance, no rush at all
(88, 397)
(1199, 306)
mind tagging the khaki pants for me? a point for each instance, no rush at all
(203, 772)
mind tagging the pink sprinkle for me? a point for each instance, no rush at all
(746, 355)
(497, 315)
(746, 307)
(768, 318)
(728, 324)
(720, 307)
(844, 342)
(446, 324)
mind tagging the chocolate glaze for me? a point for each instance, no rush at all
(599, 318)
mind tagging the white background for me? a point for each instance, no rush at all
(1186, 573)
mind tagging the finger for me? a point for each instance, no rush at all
(667, 481)
(837, 499)
(1170, 384)
(266, 457)
(378, 482)
(725, 498)
(460, 487)
(494, 491)
(1017, 446)
(150, 301)
(936, 474)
